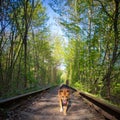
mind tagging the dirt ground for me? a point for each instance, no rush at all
(46, 107)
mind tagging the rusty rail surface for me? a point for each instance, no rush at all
(8, 103)
(109, 111)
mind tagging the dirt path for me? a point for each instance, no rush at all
(47, 108)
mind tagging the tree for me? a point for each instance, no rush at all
(96, 24)
(25, 53)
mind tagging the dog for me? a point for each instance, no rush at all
(64, 96)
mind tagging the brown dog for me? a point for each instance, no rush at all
(64, 96)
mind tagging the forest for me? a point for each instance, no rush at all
(31, 56)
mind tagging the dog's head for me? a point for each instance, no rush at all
(64, 95)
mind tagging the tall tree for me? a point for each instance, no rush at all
(24, 46)
(97, 25)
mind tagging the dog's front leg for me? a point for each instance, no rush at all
(61, 108)
(65, 110)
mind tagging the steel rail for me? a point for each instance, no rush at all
(8, 103)
(110, 112)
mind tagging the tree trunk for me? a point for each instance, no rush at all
(107, 77)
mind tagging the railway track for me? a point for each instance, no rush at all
(109, 111)
(43, 105)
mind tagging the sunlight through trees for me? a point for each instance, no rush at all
(31, 55)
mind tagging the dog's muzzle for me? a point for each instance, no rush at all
(64, 102)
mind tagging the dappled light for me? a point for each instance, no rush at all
(45, 43)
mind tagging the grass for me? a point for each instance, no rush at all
(81, 88)
(17, 92)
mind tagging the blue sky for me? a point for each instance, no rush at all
(53, 17)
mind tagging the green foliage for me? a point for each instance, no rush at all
(78, 86)
(30, 56)
(92, 54)
(26, 59)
